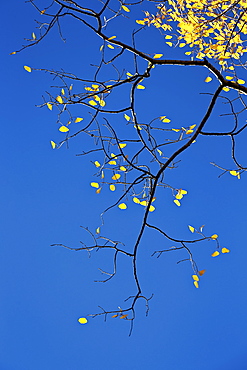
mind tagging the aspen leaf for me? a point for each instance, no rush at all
(42, 11)
(201, 272)
(63, 129)
(28, 69)
(196, 284)
(136, 200)
(225, 250)
(78, 119)
(229, 78)
(188, 53)
(215, 254)
(122, 206)
(94, 185)
(98, 230)
(110, 46)
(98, 190)
(122, 145)
(49, 106)
(195, 277)
(122, 168)
(53, 144)
(82, 320)
(140, 87)
(97, 164)
(241, 82)
(157, 56)
(101, 48)
(102, 175)
(114, 316)
(168, 37)
(191, 228)
(125, 8)
(151, 208)
(192, 126)
(112, 162)
(234, 173)
(123, 316)
(13, 52)
(208, 79)
(143, 203)
(112, 187)
(189, 132)
(113, 155)
(166, 120)
(71, 87)
(129, 74)
(140, 22)
(182, 45)
(92, 102)
(214, 236)
(127, 117)
(177, 202)
(231, 68)
(102, 103)
(112, 37)
(116, 176)
(59, 99)
(33, 36)
(62, 92)
(175, 129)
(226, 89)
(169, 43)
(160, 152)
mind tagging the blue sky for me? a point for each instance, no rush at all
(46, 197)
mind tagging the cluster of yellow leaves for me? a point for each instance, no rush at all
(97, 99)
(235, 173)
(144, 203)
(217, 252)
(213, 29)
(187, 131)
(179, 196)
(196, 278)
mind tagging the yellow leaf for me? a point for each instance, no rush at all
(42, 11)
(188, 53)
(112, 37)
(182, 45)
(183, 191)
(102, 103)
(138, 127)
(59, 99)
(226, 89)
(13, 52)
(82, 320)
(151, 208)
(102, 175)
(195, 277)
(214, 236)
(62, 92)
(177, 202)
(215, 254)
(94, 185)
(168, 37)
(225, 250)
(97, 164)
(191, 228)
(114, 316)
(98, 190)
(229, 77)
(92, 102)
(189, 132)
(136, 200)
(63, 129)
(231, 68)
(98, 230)
(33, 36)
(53, 144)
(234, 173)
(49, 106)
(112, 187)
(28, 69)
(201, 272)
(113, 155)
(122, 168)
(129, 74)
(127, 117)
(101, 48)
(116, 176)
(160, 152)
(169, 43)
(122, 145)
(122, 206)
(125, 8)
(140, 87)
(110, 46)
(175, 129)
(112, 162)
(144, 203)
(208, 79)
(123, 316)
(196, 284)
(71, 87)
(193, 126)
(140, 22)
(157, 56)
(78, 119)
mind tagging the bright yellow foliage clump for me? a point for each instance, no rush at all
(212, 28)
